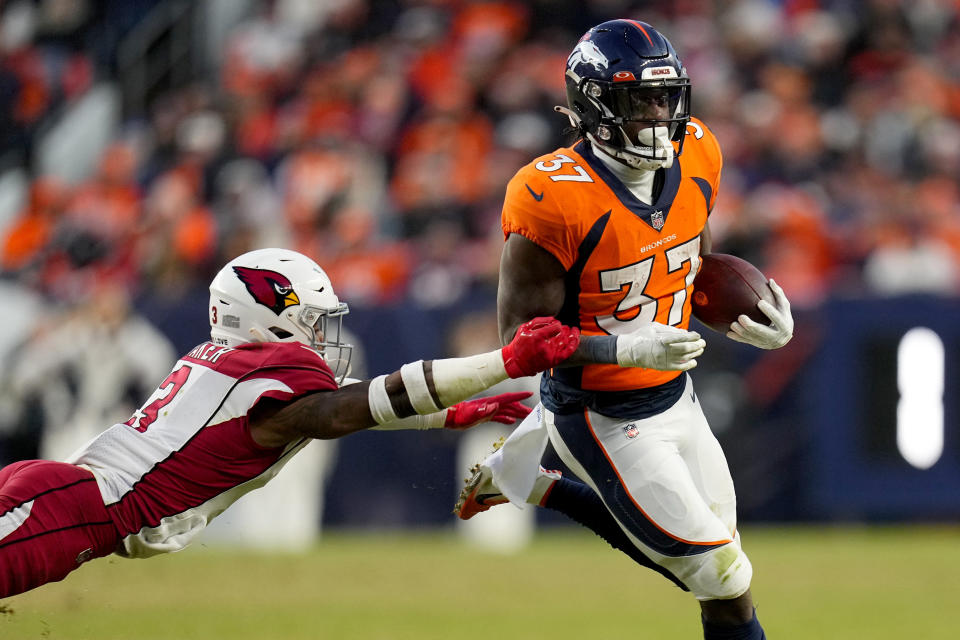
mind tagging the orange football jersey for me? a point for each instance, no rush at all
(628, 263)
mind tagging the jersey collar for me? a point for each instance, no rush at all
(654, 215)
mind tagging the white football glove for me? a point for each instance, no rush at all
(781, 323)
(658, 346)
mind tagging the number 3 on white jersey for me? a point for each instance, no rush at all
(554, 165)
(636, 308)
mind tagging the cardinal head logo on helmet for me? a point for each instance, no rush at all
(269, 288)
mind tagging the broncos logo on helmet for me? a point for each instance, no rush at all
(587, 52)
(269, 288)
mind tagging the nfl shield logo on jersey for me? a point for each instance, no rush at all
(656, 219)
(630, 430)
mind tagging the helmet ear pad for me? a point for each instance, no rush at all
(592, 119)
(587, 110)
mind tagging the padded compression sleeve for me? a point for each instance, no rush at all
(457, 379)
(454, 379)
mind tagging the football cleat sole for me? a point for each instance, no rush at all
(471, 501)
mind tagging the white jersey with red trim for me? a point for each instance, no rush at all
(187, 453)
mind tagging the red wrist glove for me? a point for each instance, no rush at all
(504, 408)
(538, 345)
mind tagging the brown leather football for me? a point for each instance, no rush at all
(726, 287)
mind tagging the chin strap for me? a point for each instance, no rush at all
(258, 335)
(574, 118)
(575, 122)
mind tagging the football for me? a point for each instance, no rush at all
(725, 288)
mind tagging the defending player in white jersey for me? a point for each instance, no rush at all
(232, 413)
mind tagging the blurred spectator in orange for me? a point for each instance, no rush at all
(441, 160)
(938, 202)
(35, 77)
(108, 205)
(801, 253)
(25, 62)
(480, 34)
(256, 126)
(369, 270)
(179, 239)
(323, 107)
(324, 176)
(93, 240)
(32, 232)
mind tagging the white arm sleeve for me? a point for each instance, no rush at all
(455, 379)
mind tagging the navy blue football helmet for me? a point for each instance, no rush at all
(628, 93)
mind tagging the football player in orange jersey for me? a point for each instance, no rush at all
(606, 236)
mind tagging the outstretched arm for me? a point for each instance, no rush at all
(505, 408)
(532, 283)
(422, 387)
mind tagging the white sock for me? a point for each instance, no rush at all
(542, 486)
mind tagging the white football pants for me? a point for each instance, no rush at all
(665, 480)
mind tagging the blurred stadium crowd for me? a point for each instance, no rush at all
(377, 136)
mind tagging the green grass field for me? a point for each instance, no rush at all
(811, 583)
